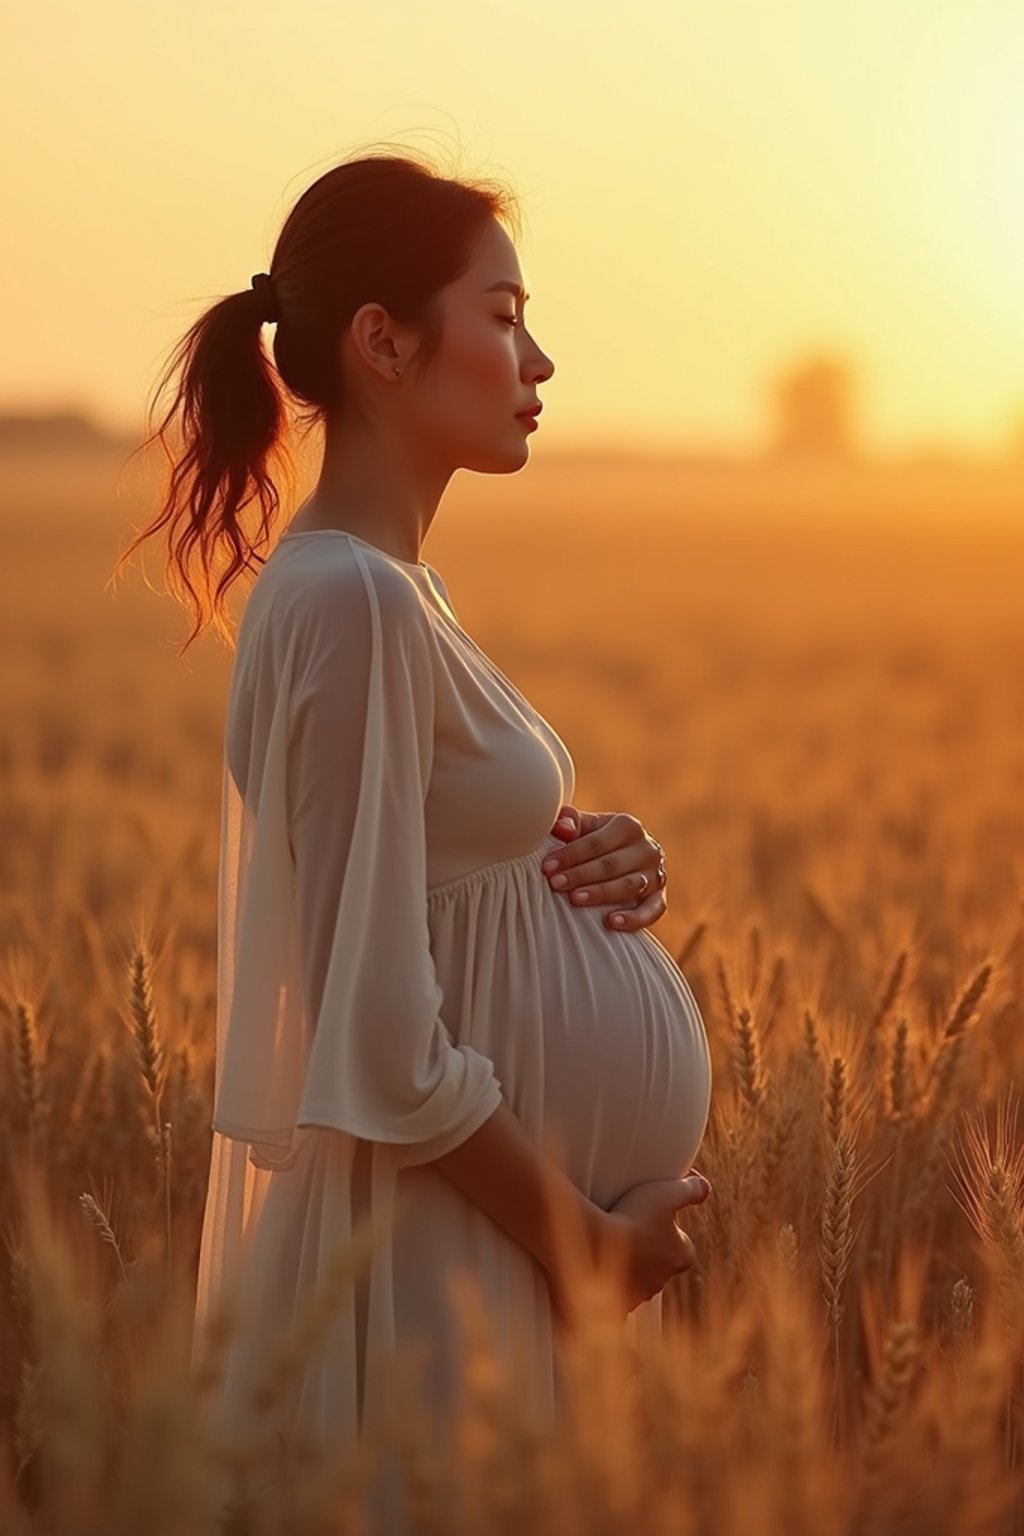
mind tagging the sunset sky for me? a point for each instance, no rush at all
(711, 191)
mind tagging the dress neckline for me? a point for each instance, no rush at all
(422, 569)
(419, 568)
(307, 533)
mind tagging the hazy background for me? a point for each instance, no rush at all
(715, 194)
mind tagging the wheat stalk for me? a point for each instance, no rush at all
(27, 1061)
(812, 1044)
(898, 1072)
(836, 1095)
(755, 955)
(149, 1049)
(100, 1222)
(728, 1001)
(836, 1230)
(961, 1313)
(887, 1411)
(28, 1426)
(990, 1172)
(748, 1059)
(951, 1041)
(787, 1250)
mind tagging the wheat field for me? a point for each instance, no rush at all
(810, 689)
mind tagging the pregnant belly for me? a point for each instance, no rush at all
(595, 1036)
(627, 1069)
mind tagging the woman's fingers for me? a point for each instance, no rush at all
(642, 915)
(611, 867)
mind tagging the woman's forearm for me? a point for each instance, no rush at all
(503, 1170)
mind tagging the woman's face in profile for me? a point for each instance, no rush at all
(488, 366)
(461, 411)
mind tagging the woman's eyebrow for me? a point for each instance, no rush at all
(509, 288)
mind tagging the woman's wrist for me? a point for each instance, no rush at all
(581, 1234)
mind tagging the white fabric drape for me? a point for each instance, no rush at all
(391, 964)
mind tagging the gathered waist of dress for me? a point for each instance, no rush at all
(485, 873)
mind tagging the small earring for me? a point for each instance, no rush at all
(396, 372)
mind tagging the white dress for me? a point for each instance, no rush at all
(391, 962)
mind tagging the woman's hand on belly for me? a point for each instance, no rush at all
(605, 856)
(645, 1244)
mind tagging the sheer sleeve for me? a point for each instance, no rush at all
(382, 1063)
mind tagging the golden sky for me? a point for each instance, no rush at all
(711, 190)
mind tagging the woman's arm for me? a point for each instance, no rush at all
(504, 1171)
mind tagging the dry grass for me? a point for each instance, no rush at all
(834, 762)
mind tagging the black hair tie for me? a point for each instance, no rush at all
(268, 304)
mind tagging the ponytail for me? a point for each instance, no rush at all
(384, 228)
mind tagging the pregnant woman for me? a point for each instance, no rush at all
(416, 1023)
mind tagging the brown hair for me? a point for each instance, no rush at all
(384, 228)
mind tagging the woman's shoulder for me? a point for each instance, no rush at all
(318, 590)
(312, 573)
